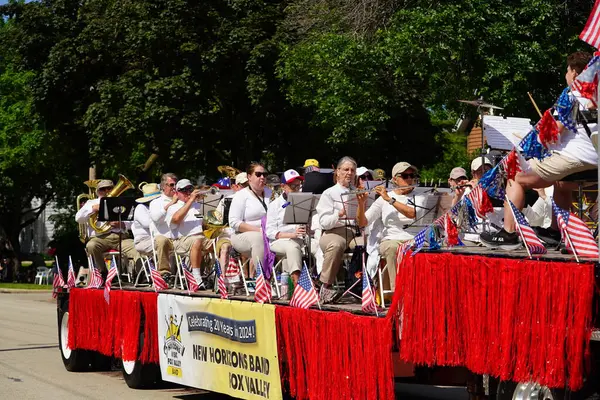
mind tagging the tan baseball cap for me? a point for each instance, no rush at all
(401, 167)
(457, 173)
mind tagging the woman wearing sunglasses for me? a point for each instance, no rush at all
(248, 207)
(393, 210)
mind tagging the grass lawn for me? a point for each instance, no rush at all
(28, 286)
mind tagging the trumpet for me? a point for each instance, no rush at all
(212, 191)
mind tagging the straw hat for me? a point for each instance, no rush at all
(151, 191)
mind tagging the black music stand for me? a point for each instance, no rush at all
(317, 182)
(299, 210)
(117, 209)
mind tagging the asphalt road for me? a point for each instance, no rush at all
(31, 367)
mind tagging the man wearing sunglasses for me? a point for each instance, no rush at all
(185, 226)
(458, 182)
(158, 213)
(98, 244)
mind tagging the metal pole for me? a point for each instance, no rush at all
(597, 169)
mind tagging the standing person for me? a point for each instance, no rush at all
(287, 240)
(338, 233)
(100, 243)
(573, 152)
(394, 211)
(186, 227)
(248, 207)
(158, 212)
(311, 165)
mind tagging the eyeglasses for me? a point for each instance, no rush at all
(259, 174)
(171, 184)
(408, 176)
(295, 186)
(188, 189)
(461, 178)
(105, 189)
(366, 177)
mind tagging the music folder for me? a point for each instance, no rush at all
(115, 209)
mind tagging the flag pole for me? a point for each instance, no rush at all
(598, 155)
(369, 283)
(311, 284)
(571, 244)
(179, 260)
(118, 275)
(518, 227)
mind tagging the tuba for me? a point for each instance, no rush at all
(228, 171)
(79, 202)
(122, 185)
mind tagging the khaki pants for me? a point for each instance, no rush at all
(333, 243)
(387, 250)
(249, 243)
(98, 245)
(292, 251)
(183, 245)
(163, 247)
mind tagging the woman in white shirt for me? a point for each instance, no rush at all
(394, 211)
(337, 232)
(248, 207)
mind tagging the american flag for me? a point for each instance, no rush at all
(573, 228)
(71, 275)
(220, 280)
(402, 249)
(368, 296)
(305, 294)
(95, 278)
(511, 164)
(586, 83)
(591, 32)
(527, 234)
(233, 268)
(157, 279)
(263, 290)
(565, 108)
(189, 277)
(58, 281)
(420, 240)
(112, 272)
(481, 202)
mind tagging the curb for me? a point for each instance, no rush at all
(15, 291)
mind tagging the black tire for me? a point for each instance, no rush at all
(73, 360)
(506, 391)
(138, 375)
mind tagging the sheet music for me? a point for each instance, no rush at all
(503, 133)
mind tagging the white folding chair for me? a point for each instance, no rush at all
(41, 275)
(380, 272)
(144, 270)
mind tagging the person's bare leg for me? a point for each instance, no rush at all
(563, 194)
(196, 259)
(515, 191)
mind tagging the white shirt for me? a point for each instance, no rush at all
(393, 220)
(246, 207)
(275, 214)
(190, 225)
(329, 206)
(578, 146)
(158, 215)
(83, 217)
(142, 223)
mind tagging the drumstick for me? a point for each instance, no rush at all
(535, 105)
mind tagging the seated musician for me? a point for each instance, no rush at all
(364, 174)
(223, 246)
(186, 226)
(338, 233)
(478, 170)
(574, 152)
(101, 243)
(459, 183)
(311, 165)
(142, 223)
(287, 240)
(158, 213)
(248, 207)
(393, 209)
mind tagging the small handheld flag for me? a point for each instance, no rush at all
(263, 289)
(368, 297)
(305, 294)
(189, 277)
(95, 278)
(58, 281)
(531, 241)
(157, 279)
(112, 272)
(71, 275)
(220, 280)
(577, 236)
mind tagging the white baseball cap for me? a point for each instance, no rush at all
(360, 171)
(241, 178)
(290, 175)
(476, 163)
(182, 184)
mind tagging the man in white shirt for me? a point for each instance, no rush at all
(158, 213)
(287, 240)
(98, 244)
(574, 152)
(185, 226)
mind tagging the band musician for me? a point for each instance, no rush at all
(100, 243)
(186, 227)
(394, 211)
(158, 212)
